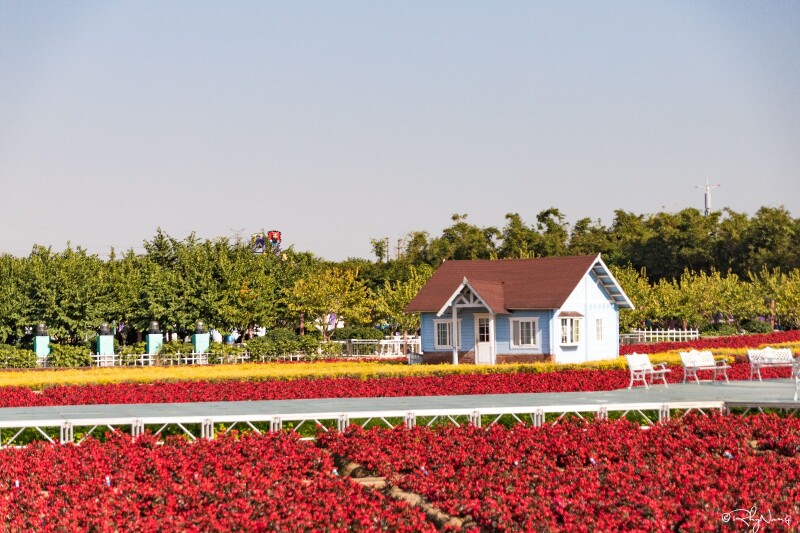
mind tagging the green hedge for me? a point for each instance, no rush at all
(281, 341)
(69, 356)
(12, 357)
(756, 326)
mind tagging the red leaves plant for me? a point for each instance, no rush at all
(604, 476)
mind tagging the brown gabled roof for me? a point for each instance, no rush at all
(506, 284)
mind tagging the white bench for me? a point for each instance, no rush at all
(770, 357)
(641, 367)
(796, 370)
(694, 362)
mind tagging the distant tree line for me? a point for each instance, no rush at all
(670, 265)
(178, 282)
(663, 244)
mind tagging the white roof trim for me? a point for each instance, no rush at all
(460, 288)
(624, 296)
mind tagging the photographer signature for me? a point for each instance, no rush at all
(754, 520)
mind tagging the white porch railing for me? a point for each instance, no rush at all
(644, 336)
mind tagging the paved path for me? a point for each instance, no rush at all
(769, 393)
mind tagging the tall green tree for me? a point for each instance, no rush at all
(554, 233)
(331, 296)
(395, 295)
(13, 300)
(464, 241)
(518, 240)
(64, 290)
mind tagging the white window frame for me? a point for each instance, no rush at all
(449, 323)
(598, 329)
(570, 334)
(512, 322)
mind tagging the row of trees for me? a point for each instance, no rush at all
(179, 282)
(711, 300)
(664, 244)
(680, 267)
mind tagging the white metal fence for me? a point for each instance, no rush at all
(389, 347)
(385, 348)
(644, 336)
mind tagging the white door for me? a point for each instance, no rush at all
(483, 340)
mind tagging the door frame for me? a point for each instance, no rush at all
(491, 342)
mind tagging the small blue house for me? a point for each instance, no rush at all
(561, 309)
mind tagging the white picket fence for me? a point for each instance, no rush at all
(646, 336)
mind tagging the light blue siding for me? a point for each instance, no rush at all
(503, 333)
(428, 332)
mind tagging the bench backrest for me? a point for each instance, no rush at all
(695, 358)
(639, 361)
(771, 355)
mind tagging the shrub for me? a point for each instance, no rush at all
(719, 329)
(11, 357)
(224, 353)
(331, 349)
(174, 347)
(69, 356)
(756, 326)
(309, 344)
(276, 342)
(132, 349)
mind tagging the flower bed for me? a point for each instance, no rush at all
(690, 474)
(733, 341)
(240, 483)
(454, 384)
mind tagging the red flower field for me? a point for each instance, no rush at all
(238, 483)
(697, 474)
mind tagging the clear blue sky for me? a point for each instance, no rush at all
(339, 122)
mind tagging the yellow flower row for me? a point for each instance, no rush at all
(38, 379)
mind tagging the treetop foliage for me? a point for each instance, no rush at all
(675, 266)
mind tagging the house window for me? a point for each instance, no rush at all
(570, 331)
(598, 328)
(524, 332)
(442, 330)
